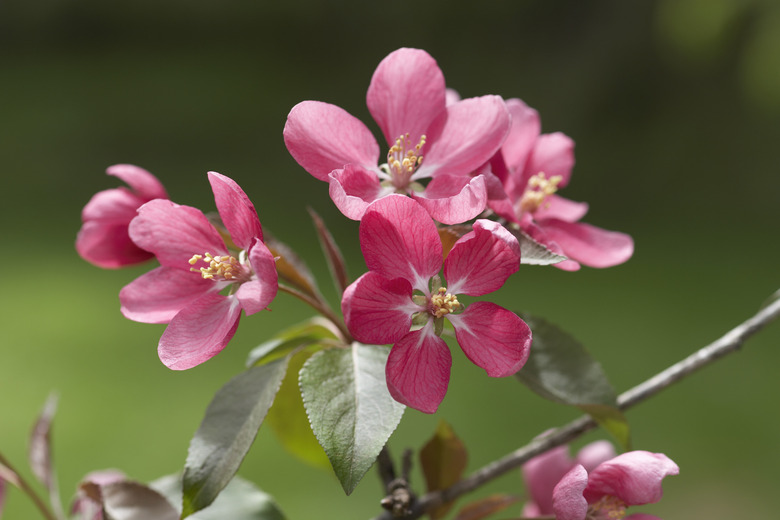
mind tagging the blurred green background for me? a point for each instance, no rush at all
(675, 109)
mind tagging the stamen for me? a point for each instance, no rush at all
(219, 267)
(443, 303)
(403, 160)
(537, 190)
(607, 508)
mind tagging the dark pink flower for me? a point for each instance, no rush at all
(604, 493)
(532, 167)
(406, 97)
(403, 252)
(543, 472)
(103, 238)
(202, 284)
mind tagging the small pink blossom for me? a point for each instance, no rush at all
(103, 239)
(604, 493)
(202, 284)
(85, 507)
(407, 98)
(532, 167)
(402, 249)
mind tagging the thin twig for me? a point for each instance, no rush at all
(22, 484)
(730, 342)
(320, 307)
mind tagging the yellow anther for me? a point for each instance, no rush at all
(403, 159)
(219, 267)
(443, 303)
(607, 508)
(537, 190)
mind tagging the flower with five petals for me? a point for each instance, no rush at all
(203, 282)
(407, 98)
(403, 252)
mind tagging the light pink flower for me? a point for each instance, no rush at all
(532, 167)
(196, 269)
(406, 97)
(633, 478)
(103, 238)
(544, 471)
(85, 507)
(403, 252)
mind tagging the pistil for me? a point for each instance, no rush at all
(402, 161)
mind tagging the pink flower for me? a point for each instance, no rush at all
(403, 252)
(633, 478)
(532, 168)
(406, 97)
(85, 507)
(544, 471)
(103, 238)
(202, 283)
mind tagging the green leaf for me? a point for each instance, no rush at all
(227, 432)
(351, 411)
(39, 453)
(288, 419)
(240, 500)
(314, 331)
(133, 501)
(443, 460)
(561, 370)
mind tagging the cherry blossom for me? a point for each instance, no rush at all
(402, 290)
(407, 98)
(103, 239)
(532, 167)
(203, 283)
(604, 493)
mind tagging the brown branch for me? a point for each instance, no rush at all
(728, 343)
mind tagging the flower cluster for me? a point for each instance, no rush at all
(597, 485)
(203, 281)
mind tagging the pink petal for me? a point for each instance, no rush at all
(492, 338)
(378, 311)
(175, 233)
(118, 205)
(236, 210)
(568, 502)
(199, 332)
(353, 188)
(399, 240)
(452, 96)
(406, 93)
(108, 245)
(562, 209)
(553, 155)
(482, 259)
(258, 293)
(454, 199)
(157, 296)
(418, 370)
(146, 185)
(542, 473)
(464, 137)
(322, 137)
(633, 477)
(593, 454)
(525, 129)
(589, 245)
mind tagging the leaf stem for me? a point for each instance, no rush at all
(728, 343)
(22, 484)
(320, 307)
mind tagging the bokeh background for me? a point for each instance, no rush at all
(675, 109)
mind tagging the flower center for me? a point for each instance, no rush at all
(443, 303)
(402, 160)
(218, 267)
(607, 508)
(537, 190)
